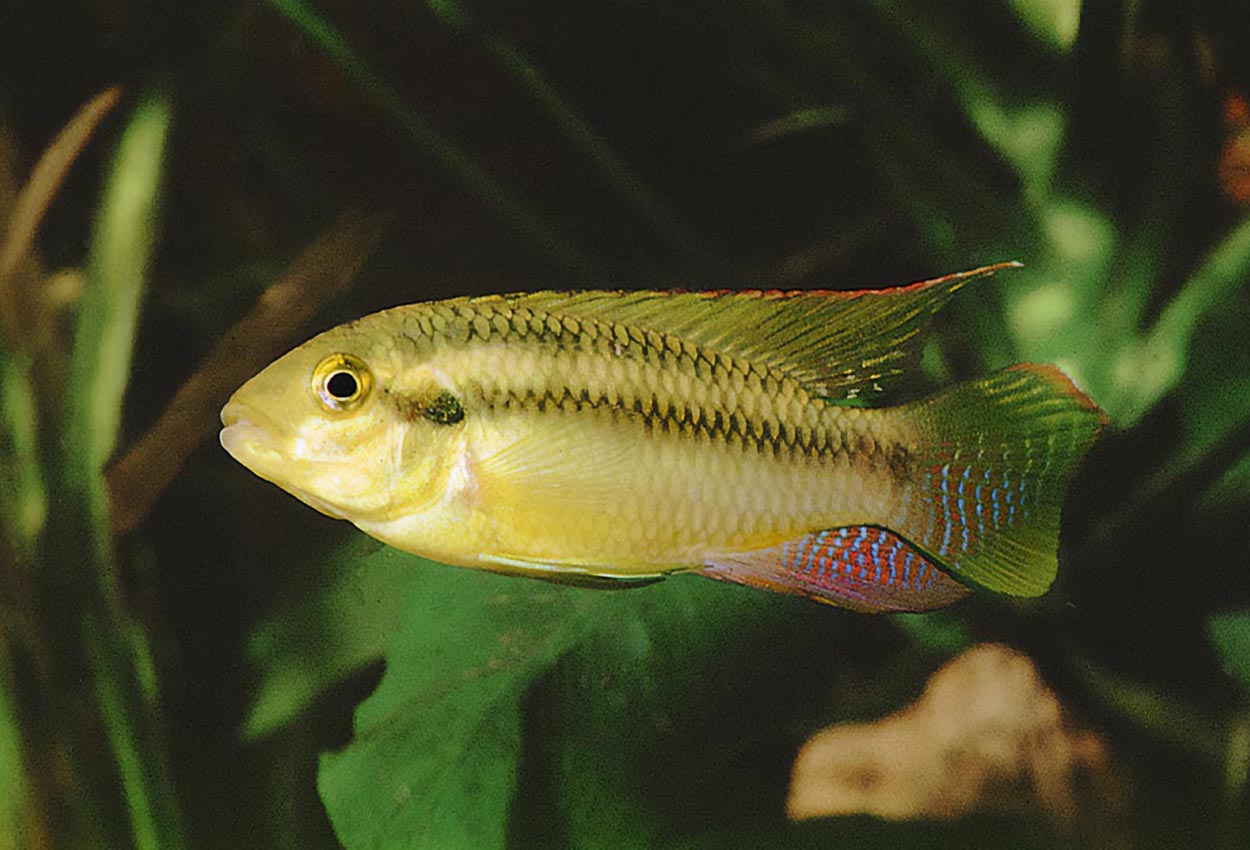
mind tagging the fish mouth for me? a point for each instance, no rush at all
(247, 442)
(231, 413)
(251, 445)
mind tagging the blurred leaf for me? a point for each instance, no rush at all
(1027, 132)
(1053, 21)
(796, 122)
(1029, 136)
(21, 476)
(116, 646)
(281, 315)
(937, 631)
(28, 212)
(1231, 635)
(438, 746)
(311, 644)
(13, 785)
(1145, 369)
(121, 253)
(1181, 724)
(1215, 395)
(641, 674)
(25, 506)
(594, 742)
(1233, 483)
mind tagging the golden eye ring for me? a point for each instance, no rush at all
(342, 382)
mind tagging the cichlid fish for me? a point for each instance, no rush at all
(607, 437)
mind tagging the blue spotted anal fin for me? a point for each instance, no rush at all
(864, 568)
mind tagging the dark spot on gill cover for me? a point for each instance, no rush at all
(444, 409)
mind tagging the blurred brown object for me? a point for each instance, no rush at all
(987, 734)
(22, 214)
(1234, 166)
(277, 322)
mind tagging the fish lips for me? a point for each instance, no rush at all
(250, 442)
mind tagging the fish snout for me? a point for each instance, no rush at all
(232, 413)
(247, 436)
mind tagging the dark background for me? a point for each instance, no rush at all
(739, 143)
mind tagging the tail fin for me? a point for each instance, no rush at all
(993, 462)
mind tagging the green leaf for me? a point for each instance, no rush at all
(1231, 635)
(310, 644)
(938, 631)
(513, 712)
(1215, 394)
(121, 254)
(1053, 21)
(25, 506)
(433, 762)
(594, 743)
(13, 787)
(1026, 129)
(438, 747)
(656, 694)
(1147, 368)
(81, 555)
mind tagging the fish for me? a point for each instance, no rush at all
(613, 438)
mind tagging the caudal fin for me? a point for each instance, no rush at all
(992, 465)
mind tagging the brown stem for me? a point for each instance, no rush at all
(323, 269)
(17, 319)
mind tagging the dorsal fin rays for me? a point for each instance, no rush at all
(838, 345)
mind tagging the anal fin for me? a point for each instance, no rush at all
(864, 568)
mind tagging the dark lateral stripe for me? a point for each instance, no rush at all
(732, 428)
(465, 324)
(462, 325)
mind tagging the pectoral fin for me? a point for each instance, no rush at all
(561, 468)
(863, 568)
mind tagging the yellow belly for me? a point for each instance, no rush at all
(600, 493)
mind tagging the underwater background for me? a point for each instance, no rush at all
(191, 658)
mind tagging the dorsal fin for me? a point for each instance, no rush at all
(838, 345)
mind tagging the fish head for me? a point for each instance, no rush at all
(332, 423)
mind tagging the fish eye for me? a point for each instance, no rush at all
(342, 385)
(342, 381)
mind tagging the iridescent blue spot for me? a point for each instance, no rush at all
(893, 554)
(809, 559)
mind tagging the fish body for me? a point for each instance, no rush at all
(625, 436)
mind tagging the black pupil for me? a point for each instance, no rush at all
(342, 385)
